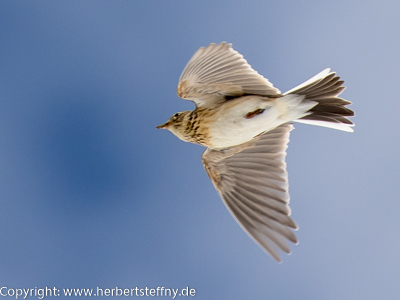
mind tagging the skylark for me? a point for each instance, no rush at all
(244, 121)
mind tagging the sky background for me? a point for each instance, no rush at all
(92, 194)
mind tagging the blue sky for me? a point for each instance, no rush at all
(92, 194)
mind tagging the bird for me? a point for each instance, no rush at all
(245, 122)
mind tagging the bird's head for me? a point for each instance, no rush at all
(175, 124)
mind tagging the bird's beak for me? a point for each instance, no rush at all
(163, 126)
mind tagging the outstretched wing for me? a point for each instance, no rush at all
(253, 183)
(217, 72)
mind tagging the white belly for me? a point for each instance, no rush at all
(232, 127)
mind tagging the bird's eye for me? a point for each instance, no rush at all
(175, 116)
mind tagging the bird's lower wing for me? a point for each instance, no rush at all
(253, 183)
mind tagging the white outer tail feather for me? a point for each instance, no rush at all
(338, 126)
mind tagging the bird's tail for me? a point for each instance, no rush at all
(331, 111)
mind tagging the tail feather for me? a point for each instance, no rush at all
(331, 111)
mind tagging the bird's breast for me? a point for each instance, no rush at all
(195, 127)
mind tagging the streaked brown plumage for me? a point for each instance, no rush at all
(245, 122)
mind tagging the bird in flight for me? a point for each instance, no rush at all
(245, 122)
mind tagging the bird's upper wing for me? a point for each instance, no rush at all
(252, 181)
(218, 71)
